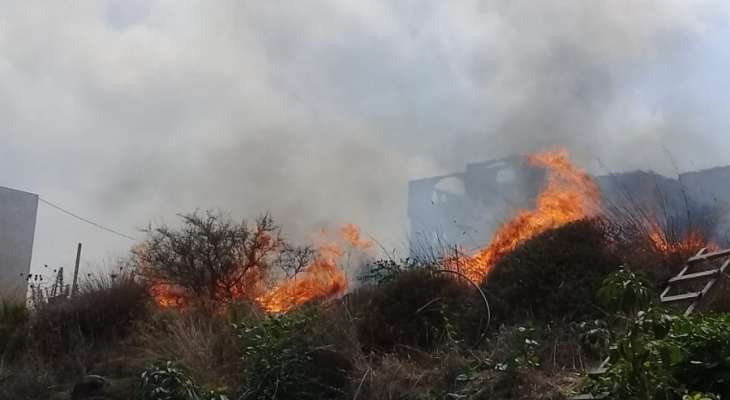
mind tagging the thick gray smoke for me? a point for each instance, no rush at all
(320, 112)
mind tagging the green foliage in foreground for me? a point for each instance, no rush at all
(284, 361)
(167, 381)
(625, 292)
(663, 356)
(668, 357)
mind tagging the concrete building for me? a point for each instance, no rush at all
(17, 228)
(465, 208)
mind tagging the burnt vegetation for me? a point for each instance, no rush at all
(557, 305)
(214, 258)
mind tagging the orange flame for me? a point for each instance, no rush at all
(167, 295)
(351, 234)
(570, 195)
(693, 241)
(323, 279)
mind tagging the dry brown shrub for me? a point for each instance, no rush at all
(392, 377)
(418, 309)
(102, 312)
(554, 275)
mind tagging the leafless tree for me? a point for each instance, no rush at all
(212, 256)
(294, 259)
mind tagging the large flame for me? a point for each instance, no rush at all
(323, 279)
(570, 195)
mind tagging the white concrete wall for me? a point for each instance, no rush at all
(17, 227)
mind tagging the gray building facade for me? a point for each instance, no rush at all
(18, 212)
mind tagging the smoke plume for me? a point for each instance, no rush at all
(131, 111)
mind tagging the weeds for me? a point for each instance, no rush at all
(285, 361)
(168, 381)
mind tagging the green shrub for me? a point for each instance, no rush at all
(522, 350)
(553, 276)
(288, 358)
(625, 292)
(665, 357)
(168, 381)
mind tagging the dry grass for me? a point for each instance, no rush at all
(205, 344)
(103, 311)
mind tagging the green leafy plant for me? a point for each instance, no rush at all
(595, 337)
(665, 356)
(284, 363)
(625, 292)
(168, 381)
(700, 396)
(524, 346)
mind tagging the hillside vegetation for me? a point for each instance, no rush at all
(557, 306)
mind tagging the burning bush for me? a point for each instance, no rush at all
(213, 258)
(554, 275)
(569, 195)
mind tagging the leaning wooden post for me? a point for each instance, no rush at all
(74, 285)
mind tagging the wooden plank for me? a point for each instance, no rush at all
(684, 270)
(680, 297)
(725, 265)
(598, 371)
(708, 287)
(694, 275)
(709, 256)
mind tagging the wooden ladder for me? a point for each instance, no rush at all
(695, 281)
(689, 287)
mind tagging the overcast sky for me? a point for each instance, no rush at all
(130, 111)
